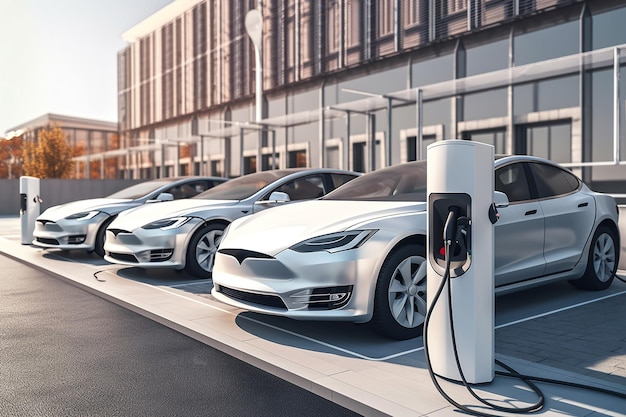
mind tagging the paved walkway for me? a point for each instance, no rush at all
(583, 344)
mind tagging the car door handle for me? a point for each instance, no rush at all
(583, 205)
(529, 212)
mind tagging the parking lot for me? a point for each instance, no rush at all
(553, 331)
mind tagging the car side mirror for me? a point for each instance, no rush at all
(500, 200)
(279, 197)
(162, 197)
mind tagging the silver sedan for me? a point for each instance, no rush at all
(81, 224)
(186, 234)
(355, 255)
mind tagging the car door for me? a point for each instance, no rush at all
(519, 233)
(568, 214)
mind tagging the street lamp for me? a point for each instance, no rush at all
(254, 27)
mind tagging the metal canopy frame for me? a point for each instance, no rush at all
(572, 64)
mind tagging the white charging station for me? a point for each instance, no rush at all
(29, 207)
(460, 177)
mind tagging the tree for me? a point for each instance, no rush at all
(50, 157)
(11, 157)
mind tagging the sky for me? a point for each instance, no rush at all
(60, 56)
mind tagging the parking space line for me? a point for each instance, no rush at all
(558, 310)
(359, 355)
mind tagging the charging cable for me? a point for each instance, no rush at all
(450, 235)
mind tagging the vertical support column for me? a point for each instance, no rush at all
(419, 123)
(241, 158)
(389, 137)
(348, 143)
(616, 106)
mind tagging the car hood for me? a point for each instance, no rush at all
(139, 216)
(274, 230)
(108, 205)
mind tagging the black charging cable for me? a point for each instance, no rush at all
(449, 246)
(450, 230)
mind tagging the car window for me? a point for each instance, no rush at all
(404, 182)
(340, 179)
(552, 181)
(512, 181)
(188, 190)
(242, 187)
(306, 188)
(140, 190)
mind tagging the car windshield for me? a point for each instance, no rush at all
(242, 187)
(140, 190)
(404, 182)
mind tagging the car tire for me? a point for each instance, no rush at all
(602, 262)
(101, 237)
(400, 298)
(202, 249)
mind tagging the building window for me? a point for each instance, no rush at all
(608, 28)
(384, 16)
(216, 168)
(270, 161)
(333, 26)
(552, 142)
(297, 159)
(353, 30)
(333, 157)
(552, 42)
(358, 157)
(411, 146)
(448, 7)
(249, 164)
(411, 13)
(496, 138)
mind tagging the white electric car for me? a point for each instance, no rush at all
(81, 224)
(358, 254)
(185, 234)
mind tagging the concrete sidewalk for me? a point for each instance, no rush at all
(585, 344)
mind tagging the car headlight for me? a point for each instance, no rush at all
(83, 215)
(166, 224)
(334, 242)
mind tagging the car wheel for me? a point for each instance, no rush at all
(101, 237)
(602, 262)
(400, 299)
(202, 249)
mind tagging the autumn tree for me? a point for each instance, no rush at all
(50, 157)
(11, 157)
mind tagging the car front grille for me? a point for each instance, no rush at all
(123, 257)
(248, 297)
(47, 241)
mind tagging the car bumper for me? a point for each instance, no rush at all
(323, 286)
(154, 248)
(68, 234)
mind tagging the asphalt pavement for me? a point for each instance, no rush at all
(67, 352)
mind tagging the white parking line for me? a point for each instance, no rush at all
(358, 355)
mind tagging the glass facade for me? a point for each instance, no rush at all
(520, 84)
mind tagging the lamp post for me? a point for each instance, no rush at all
(254, 27)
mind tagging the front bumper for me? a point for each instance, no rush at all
(153, 248)
(311, 286)
(68, 234)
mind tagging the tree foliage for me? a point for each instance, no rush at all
(50, 157)
(11, 158)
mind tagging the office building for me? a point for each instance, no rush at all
(363, 84)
